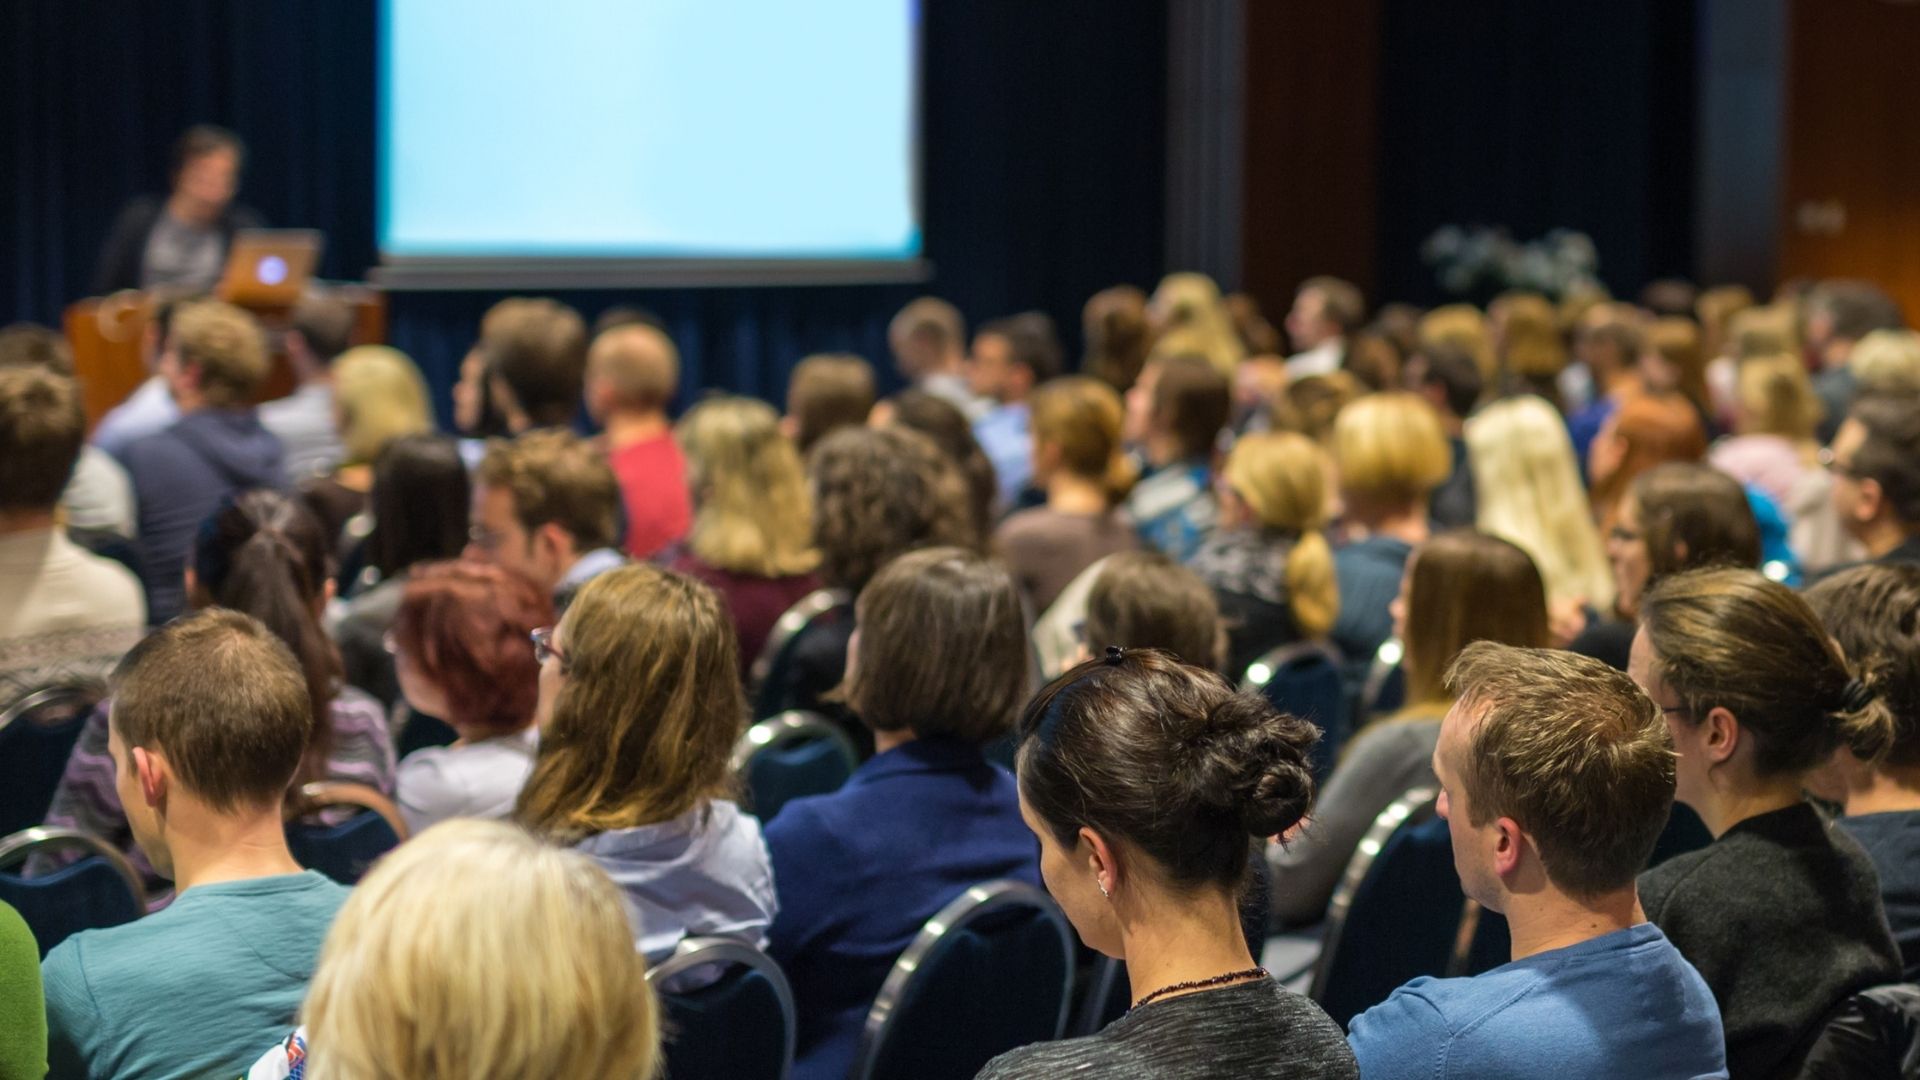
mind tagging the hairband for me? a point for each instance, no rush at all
(1858, 695)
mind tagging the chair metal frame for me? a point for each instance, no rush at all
(1107, 972)
(976, 903)
(794, 620)
(26, 843)
(794, 725)
(699, 952)
(1414, 803)
(1278, 659)
(321, 794)
(43, 695)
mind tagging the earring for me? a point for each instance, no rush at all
(1103, 888)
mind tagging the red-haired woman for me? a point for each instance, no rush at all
(461, 649)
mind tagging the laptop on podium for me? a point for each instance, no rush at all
(269, 267)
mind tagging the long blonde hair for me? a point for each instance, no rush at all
(752, 511)
(410, 982)
(1282, 477)
(1777, 398)
(1193, 318)
(1528, 488)
(1082, 416)
(379, 395)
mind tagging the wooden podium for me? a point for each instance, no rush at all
(106, 334)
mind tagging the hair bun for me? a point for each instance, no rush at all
(1251, 760)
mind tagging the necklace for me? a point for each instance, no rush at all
(1201, 984)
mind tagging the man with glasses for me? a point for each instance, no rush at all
(547, 506)
(1875, 461)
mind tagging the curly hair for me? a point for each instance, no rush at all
(878, 493)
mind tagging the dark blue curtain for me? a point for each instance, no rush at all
(1043, 157)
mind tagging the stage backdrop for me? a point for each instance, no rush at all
(1044, 143)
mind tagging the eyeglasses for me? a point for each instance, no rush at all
(1832, 463)
(483, 538)
(543, 649)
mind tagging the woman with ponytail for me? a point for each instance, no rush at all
(1781, 913)
(1077, 462)
(1269, 561)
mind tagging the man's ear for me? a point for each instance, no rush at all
(1873, 499)
(1509, 842)
(556, 540)
(150, 769)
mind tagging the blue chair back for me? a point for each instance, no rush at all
(769, 680)
(1396, 914)
(1303, 680)
(992, 971)
(794, 754)
(740, 1025)
(101, 889)
(37, 733)
(346, 849)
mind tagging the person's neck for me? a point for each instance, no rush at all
(1882, 536)
(209, 848)
(1163, 450)
(1885, 789)
(25, 521)
(1408, 524)
(1169, 940)
(1619, 382)
(1550, 919)
(1071, 494)
(626, 427)
(190, 211)
(1723, 809)
(1836, 354)
(884, 741)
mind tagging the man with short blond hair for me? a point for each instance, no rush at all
(633, 372)
(1556, 777)
(929, 343)
(546, 506)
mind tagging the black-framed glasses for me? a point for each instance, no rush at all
(543, 649)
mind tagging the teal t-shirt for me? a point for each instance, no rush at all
(199, 989)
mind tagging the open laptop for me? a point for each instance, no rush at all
(269, 267)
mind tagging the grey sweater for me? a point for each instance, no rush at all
(1781, 915)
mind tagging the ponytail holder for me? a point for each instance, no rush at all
(1115, 654)
(1858, 695)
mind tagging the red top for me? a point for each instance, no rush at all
(653, 484)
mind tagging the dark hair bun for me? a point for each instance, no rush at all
(1251, 761)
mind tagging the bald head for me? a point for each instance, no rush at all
(632, 367)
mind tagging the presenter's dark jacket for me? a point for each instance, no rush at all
(119, 266)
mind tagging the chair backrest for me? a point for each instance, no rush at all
(101, 889)
(37, 733)
(796, 753)
(738, 1025)
(1396, 914)
(992, 971)
(343, 850)
(1873, 1035)
(1303, 679)
(1385, 688)
(766, 679)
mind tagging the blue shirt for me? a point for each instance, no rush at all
(197, 989)
(1005, 437)
(149, 410)
(860, 871)
(1624, 1004)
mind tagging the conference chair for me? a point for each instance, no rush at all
(992, 971)
(37, 731)
(1385, 688)
(739, 1026)
(1396, 914)
(345, 849)
(100, 889)
(794, 754)
(769, 680)
(1873, 1035)
(1106, 998)
(1303, 679)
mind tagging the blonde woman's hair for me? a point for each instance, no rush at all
(1530, 343)
(752, 511)
(1282, 477)
(1389, 448)
(1763, 331)
(1777, 398)
(645, 723)
(1529, 494)
(1463, 327)
(380, 396)
(1194, 319)
(410, 982)
(1887, 362)
(1082, 416)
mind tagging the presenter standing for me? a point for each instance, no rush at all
(179, 243)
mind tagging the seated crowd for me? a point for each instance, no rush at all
(1632, 594)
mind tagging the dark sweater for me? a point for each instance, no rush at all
(1782, 917)
(119, 266)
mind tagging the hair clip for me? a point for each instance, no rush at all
(1115, 654)
(1859, 695)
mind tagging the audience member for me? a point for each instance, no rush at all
(640, 705)
(1460, 587)
(460, 648)
(181, 241)
(1010, 357)
(1648, 430)
(1269, 562)
(939, 420)
(1886, 362)
(1837, 316)
(928, 339)
(1527, 341)
(1077, 461)
(1556, 776)
(65, 614)
(303, 421)
(1875, 462)
(211, 719)
(98, 500)
(214, 363)
(1258, 384)
(1258, 336)
(1607, 342)
(546, 506)
(420, 506)
(1756, 331)
(1310, 406)
(633, 372)
(753, 516)
(408, 981)
(938, 669)
(1325, 311)
(1715, 309)
(1376, 361)
(1189, 317)
(1390, 455)
(535, 356)
(826, 392)
(1672, 361)
(23, 1006)
(1773, 447)
(150, 409)
(1781, 913)
(1175, 413)
(1115, 328)
(1530, 495)
(1873, 613)
(1450, 381)
(1146, 780)
(1463, 327)
(378, 396)
(1145, 600)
